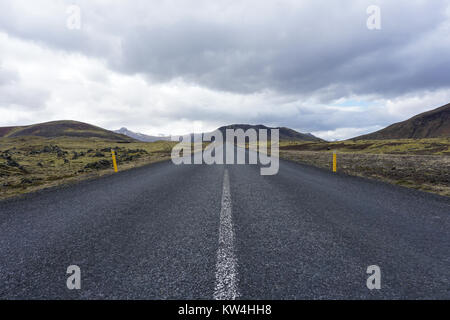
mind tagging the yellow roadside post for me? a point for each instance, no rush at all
(334, 161)
(114, 160)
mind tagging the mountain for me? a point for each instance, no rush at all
(285, 133)
(63, 128)
(430, 124)
(141, 136)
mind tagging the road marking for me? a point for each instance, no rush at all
(226, 287)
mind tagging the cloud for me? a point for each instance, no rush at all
(14, 95)
(159, 66)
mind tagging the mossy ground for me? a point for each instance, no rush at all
(32, 163)
(436, 146)
(422, 164)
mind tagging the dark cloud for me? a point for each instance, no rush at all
(306, 54)
(316, 47)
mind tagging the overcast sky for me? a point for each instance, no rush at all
(171, 67)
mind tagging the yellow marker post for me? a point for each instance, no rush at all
(114, 160)
(334, 162)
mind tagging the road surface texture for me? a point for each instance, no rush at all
(225, 232)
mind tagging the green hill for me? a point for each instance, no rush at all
(64, 128)
(430, 124)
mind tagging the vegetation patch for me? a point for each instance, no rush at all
(429, 173)
(434, 146)
(32, 163)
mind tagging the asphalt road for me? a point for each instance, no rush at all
(224, 231)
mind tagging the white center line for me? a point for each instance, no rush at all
(226, 287)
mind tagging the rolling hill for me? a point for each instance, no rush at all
(285, 133)
(63, 128)
(430, 124)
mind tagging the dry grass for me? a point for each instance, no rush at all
(31, 163)
(434, 146)
(422, 164)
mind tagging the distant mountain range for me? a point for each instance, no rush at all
(63, 128)
(430, 124)
(141, 136)
(285, 133)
